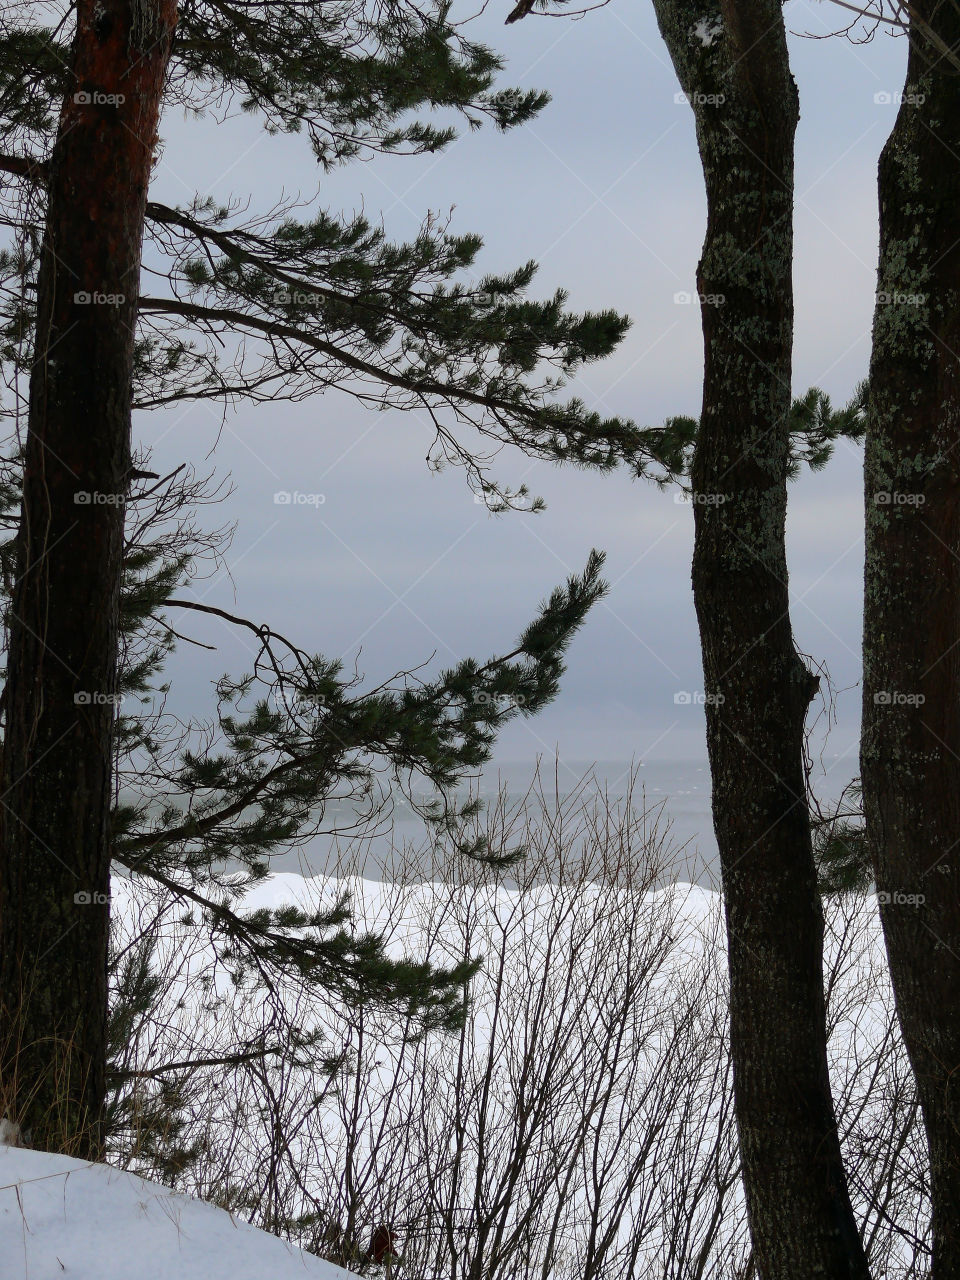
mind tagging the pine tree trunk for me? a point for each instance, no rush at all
(732, 61)
(60, 693)
(910, 751)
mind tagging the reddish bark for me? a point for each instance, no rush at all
(54, 882)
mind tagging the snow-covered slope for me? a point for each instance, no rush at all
(64, 1219)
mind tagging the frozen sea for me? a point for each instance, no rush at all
(674, 793)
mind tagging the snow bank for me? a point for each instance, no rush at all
(61, 1217)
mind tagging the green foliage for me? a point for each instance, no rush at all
(396, 325)
(344, 73)
(815, 428)
(291, 733)
(287, 305)
(203, 806)
(842, 856)
(283, 306)
(840, 848)
(33, 77)
(153, 1117)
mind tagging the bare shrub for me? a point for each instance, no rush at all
(579, 1124)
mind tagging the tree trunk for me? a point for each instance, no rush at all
(60, 693)
(910, 751)
(731, 58)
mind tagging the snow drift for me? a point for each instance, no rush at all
(65, 1217)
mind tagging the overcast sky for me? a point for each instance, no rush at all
(604, 190)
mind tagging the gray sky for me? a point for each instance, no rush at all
(604, 190)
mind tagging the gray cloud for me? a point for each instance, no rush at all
(604, 190)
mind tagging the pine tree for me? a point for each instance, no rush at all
(261, 307)
(733, 65)
(200, 808)
(910, 743)
(258, 308)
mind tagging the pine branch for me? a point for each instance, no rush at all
(190, 1064)
(542, 430)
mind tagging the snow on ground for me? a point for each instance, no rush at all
(67, 1219)
(61, 1217)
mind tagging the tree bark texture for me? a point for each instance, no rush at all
(731, 59)
(60, 693)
